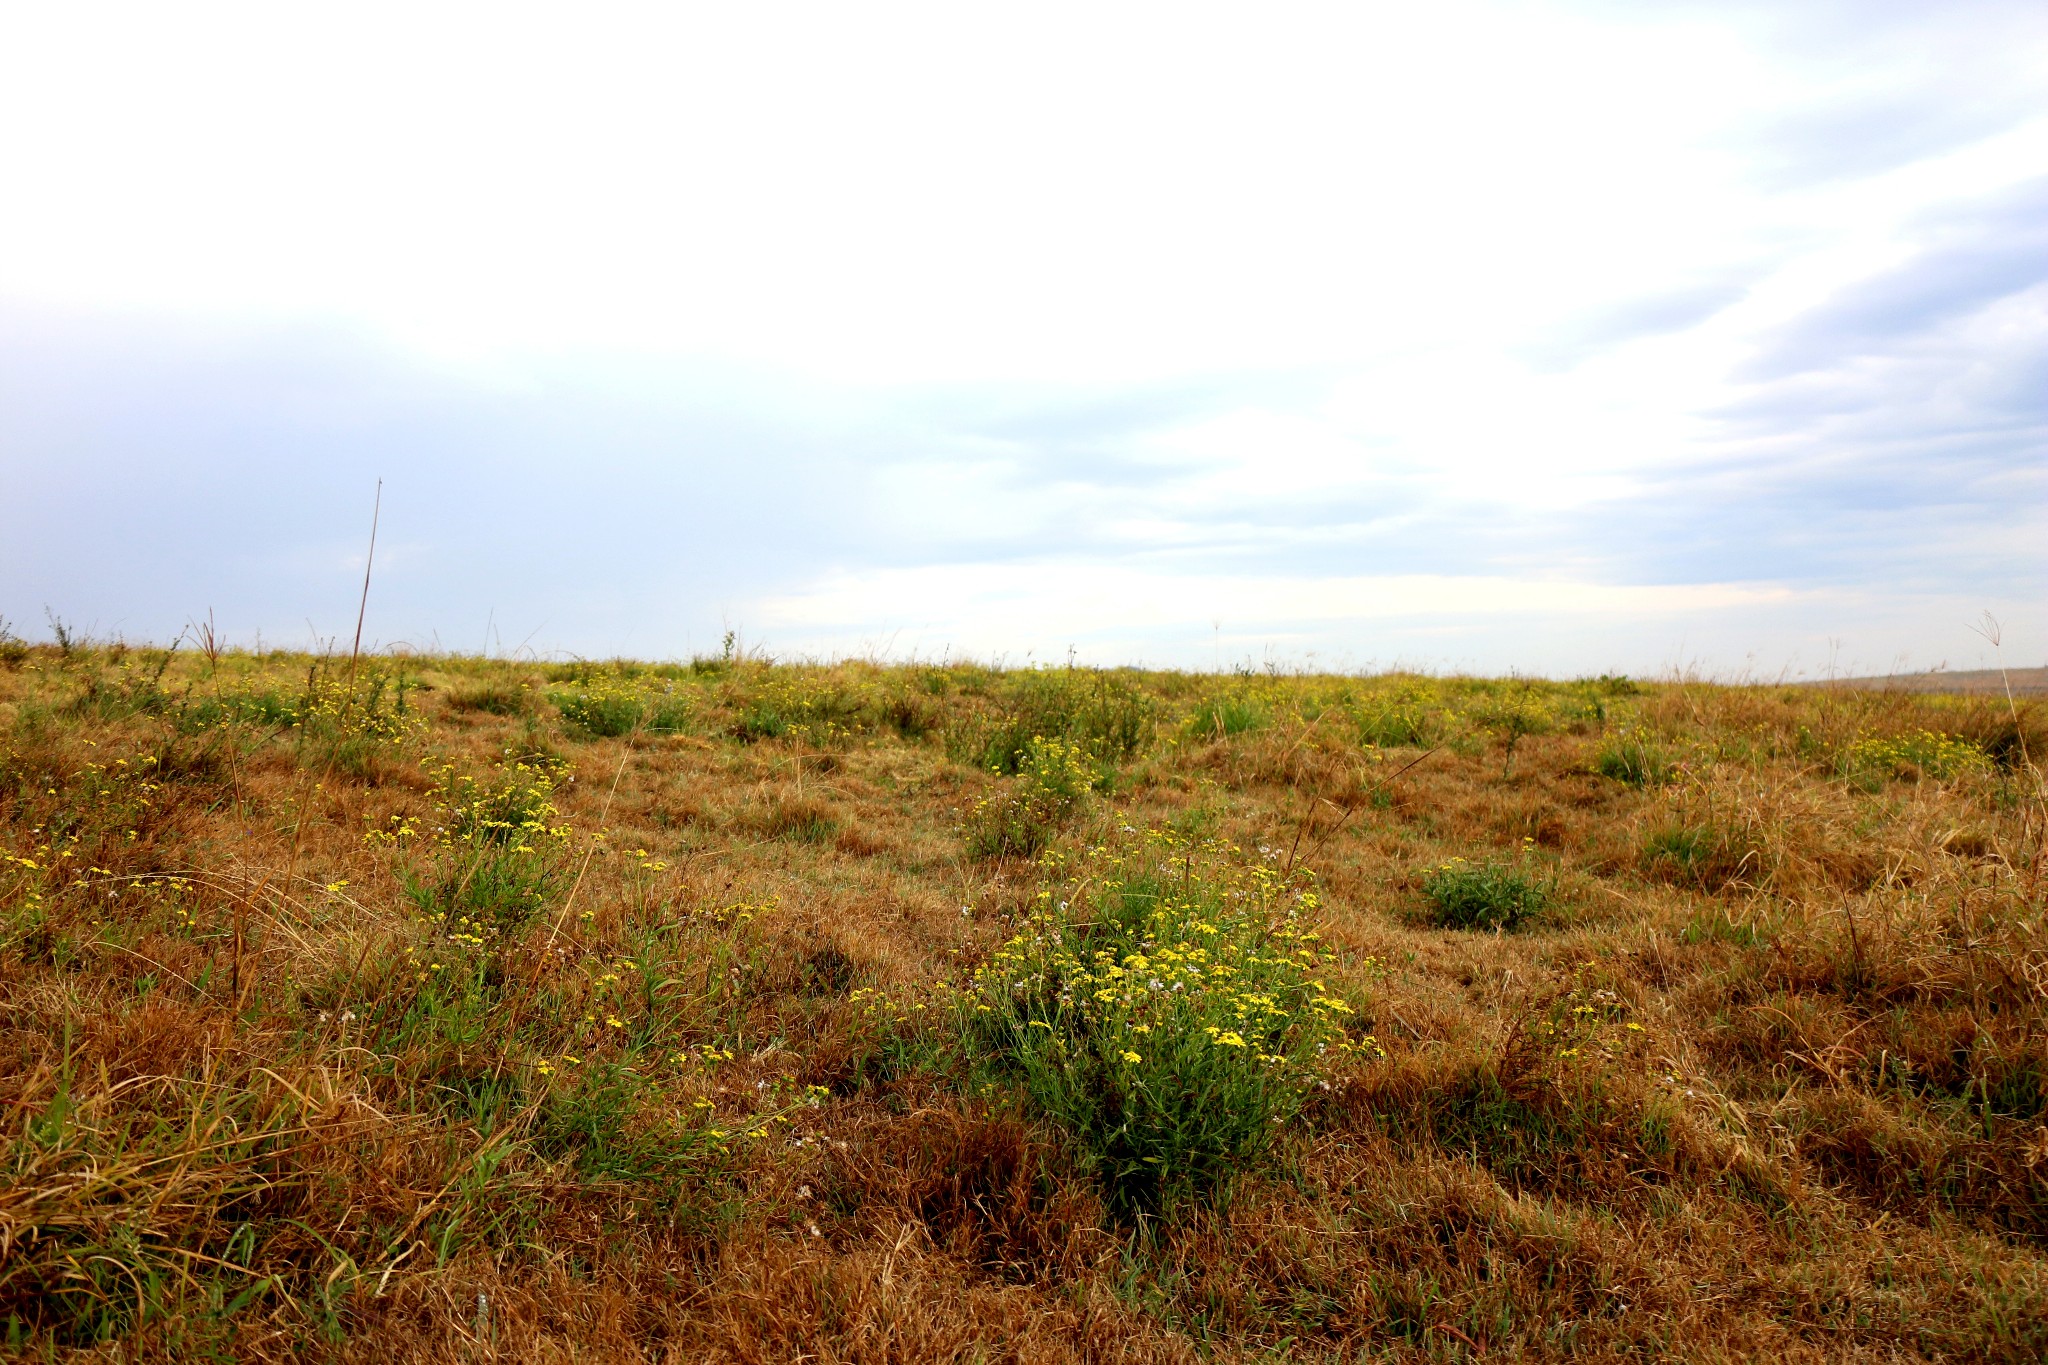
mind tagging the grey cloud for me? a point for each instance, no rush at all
(155, 472)
(1867, 134)
(1891, 82)
(1972, 256)
(1657, 314)
(1900, 307)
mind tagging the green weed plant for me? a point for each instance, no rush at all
(612, 705)
(1221, 718)
(1052, 781)
(498, 853)
(1164, 1006)
(1488, 895)
(1921, 755)
(1635, 760)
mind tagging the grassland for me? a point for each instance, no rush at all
(449, 1009)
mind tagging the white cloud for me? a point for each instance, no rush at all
(1520, 266)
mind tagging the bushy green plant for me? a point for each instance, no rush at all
(1636, 760)
(1222, 717)
(1052, 780)
(1400, 725)
(1913, 757)
(613, 705)
(498, 854)
(760, 721)
(1108, 715)
(349, 723)
(1164, 1006)
(1489, 895)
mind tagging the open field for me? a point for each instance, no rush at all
(2021, 682)
(446, 1009)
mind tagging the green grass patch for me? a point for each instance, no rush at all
(1489, 895)
(1052, 781)
(1635, 760)
(1164, 1007)
(1921, 755)
(1223, 717)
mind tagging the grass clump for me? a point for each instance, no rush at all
(1220, 718)
(1922, 755)
(1165, 1008)
(1052, 781)
(610, 706)
(493, 696)
(1109, 716)
(1635, 760)
(1489, 895)
(1702, 855)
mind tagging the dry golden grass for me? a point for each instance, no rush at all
(302, 1058)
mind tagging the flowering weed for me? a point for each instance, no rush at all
(1052, 780)
(1920, 755)
(1110, 718)
(498, 853)
(1166, 1007)
(609, 705)
(1489, 895)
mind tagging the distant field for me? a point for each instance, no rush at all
(447, 1009)
(2024, 682)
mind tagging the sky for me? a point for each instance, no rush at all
(1549, 338)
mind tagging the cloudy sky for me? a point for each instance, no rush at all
(1549, 337)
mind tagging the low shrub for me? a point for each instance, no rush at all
(1164, 1007)
(1636, 761)
(1222, 717)
(1490, 895)
(1921, 755)
(1052, 781)
(14, 650)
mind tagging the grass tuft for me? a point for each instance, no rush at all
(1488, 895)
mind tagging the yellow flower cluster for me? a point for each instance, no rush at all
(1231, 957)
(334, 705)
(1910, 757)
(512, 812)
(1586, 1023)
(1165, 1003)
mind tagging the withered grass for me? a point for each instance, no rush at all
(1766, 1078)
